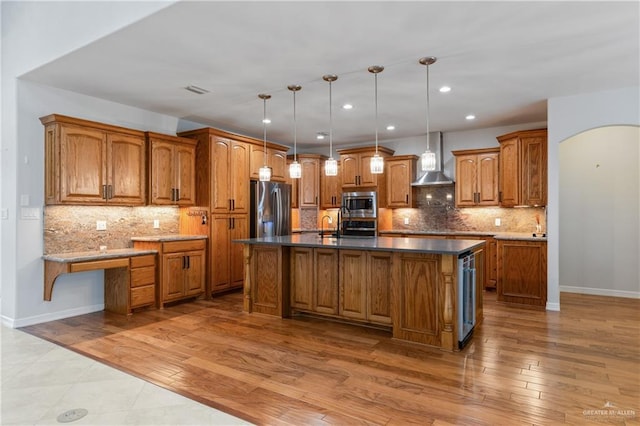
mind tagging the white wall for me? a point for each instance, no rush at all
(569, 116)
(599, 210)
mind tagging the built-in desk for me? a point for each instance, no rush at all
(129, 275)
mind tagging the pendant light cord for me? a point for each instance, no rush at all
(330, 124)
(295, 136)
(428, 127)
(376, 96)
(264, 126)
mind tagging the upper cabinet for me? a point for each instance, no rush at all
(330, 189)
(523, 168)
(477, 177)
(295, 193)
(401, 171)
(172, 170)
(222, 171)
(93, 163)
(310, 181)
(356, 167)
(276, 160)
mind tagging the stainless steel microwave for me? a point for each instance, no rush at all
(360, 204)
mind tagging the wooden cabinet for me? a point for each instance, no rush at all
(356, 167)
(522, 272)
(302, 278)
(227, 270)
(93, 163)
(365, 286)
(229, 169)
(310, 180)
(172, 170)
(142, 290)
(491, 263)
(477, 177)
(295, 192)
(401, 171)
(330, 189)
(523, 168)
(182, 268)
(314, 280)
(276, 160)
(267, 286)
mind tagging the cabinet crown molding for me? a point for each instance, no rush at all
(57, 118)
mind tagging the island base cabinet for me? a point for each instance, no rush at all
(423, 296)
(325, 283)
(266, 287)
(522, 273)
(301, 278)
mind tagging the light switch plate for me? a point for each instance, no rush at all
(4, 214)
(101, 225)
(406, 220)
(156, 223)
(498, 221)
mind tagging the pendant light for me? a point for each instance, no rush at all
(377, 162)
(330, 165)
(295, 170)
(265, 171)
(428, 158)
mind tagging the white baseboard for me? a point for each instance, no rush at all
(553, 306)
(600, 291)
(38, 319)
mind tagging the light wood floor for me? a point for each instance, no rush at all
(581, 365)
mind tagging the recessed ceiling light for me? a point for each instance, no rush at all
(445, 89)
(470, 117)
(196, 89)
(391, 127)
(266, 121)
(320, 135)
(347, 106)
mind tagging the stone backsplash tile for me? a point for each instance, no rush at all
(73, 228)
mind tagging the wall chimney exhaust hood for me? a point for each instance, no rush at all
(435, 177)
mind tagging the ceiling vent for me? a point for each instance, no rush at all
(196, 89)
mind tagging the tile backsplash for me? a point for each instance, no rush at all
(73, 228)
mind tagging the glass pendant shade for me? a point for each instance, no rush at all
(428, 161)
(295, 170)
(377, 164)
(331, 167)
(265, 174)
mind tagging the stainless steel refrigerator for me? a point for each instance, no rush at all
(270, 209)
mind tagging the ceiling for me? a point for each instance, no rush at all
(503, 60)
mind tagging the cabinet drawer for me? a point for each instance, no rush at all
(143, 296)
(176, 246)
(143, 276)
(140, 261)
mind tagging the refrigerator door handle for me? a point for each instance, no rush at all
(277, 206)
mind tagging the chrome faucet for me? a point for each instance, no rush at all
(340, 228)
(330, 221)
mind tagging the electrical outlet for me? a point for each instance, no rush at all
(4, 214)
(101, 225)
(330, 220)
(156, 223)
(498, 221)
(406, 220)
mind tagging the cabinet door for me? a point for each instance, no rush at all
(162, 172)
(185, 175)
(509, 173)
(522, 272)
(325, 284)
(239, 183)
(258, 159)
(330, 193)
(126, 170)
(220, 154)
(353, 284)
(220, 256)
(295, 194)
(534, 170)
(194, 274)
(302, 278)
(83, 159)
(173, 276)
(278, 164)
(379, 287)
(309, 182)
(466, 173)
(487, 179)
(366, 177)
(239, 230)
(350, 170)
(490, 262)
(399, 176)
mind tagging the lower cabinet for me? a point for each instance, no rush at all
(344, 283)
(181, 270)
(522, 272)
(143, 281)
(226, 265)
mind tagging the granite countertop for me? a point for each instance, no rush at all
(84, 256)
(419, 245)
(497, 235)
(172, 237)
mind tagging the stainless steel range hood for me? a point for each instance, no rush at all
(435, 177)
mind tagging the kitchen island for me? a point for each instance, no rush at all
(410, 286)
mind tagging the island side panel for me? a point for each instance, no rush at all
(269, 280)
(417, 314)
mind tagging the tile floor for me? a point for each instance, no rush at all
(41, 380)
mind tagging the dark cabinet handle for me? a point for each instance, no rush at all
(229, 223)
(230, 204)
(104, 191)
(177, 194)
(316, 199)
(184, 262)
(109, 192)
(500, 196)
(188, 262)
(233, 204)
